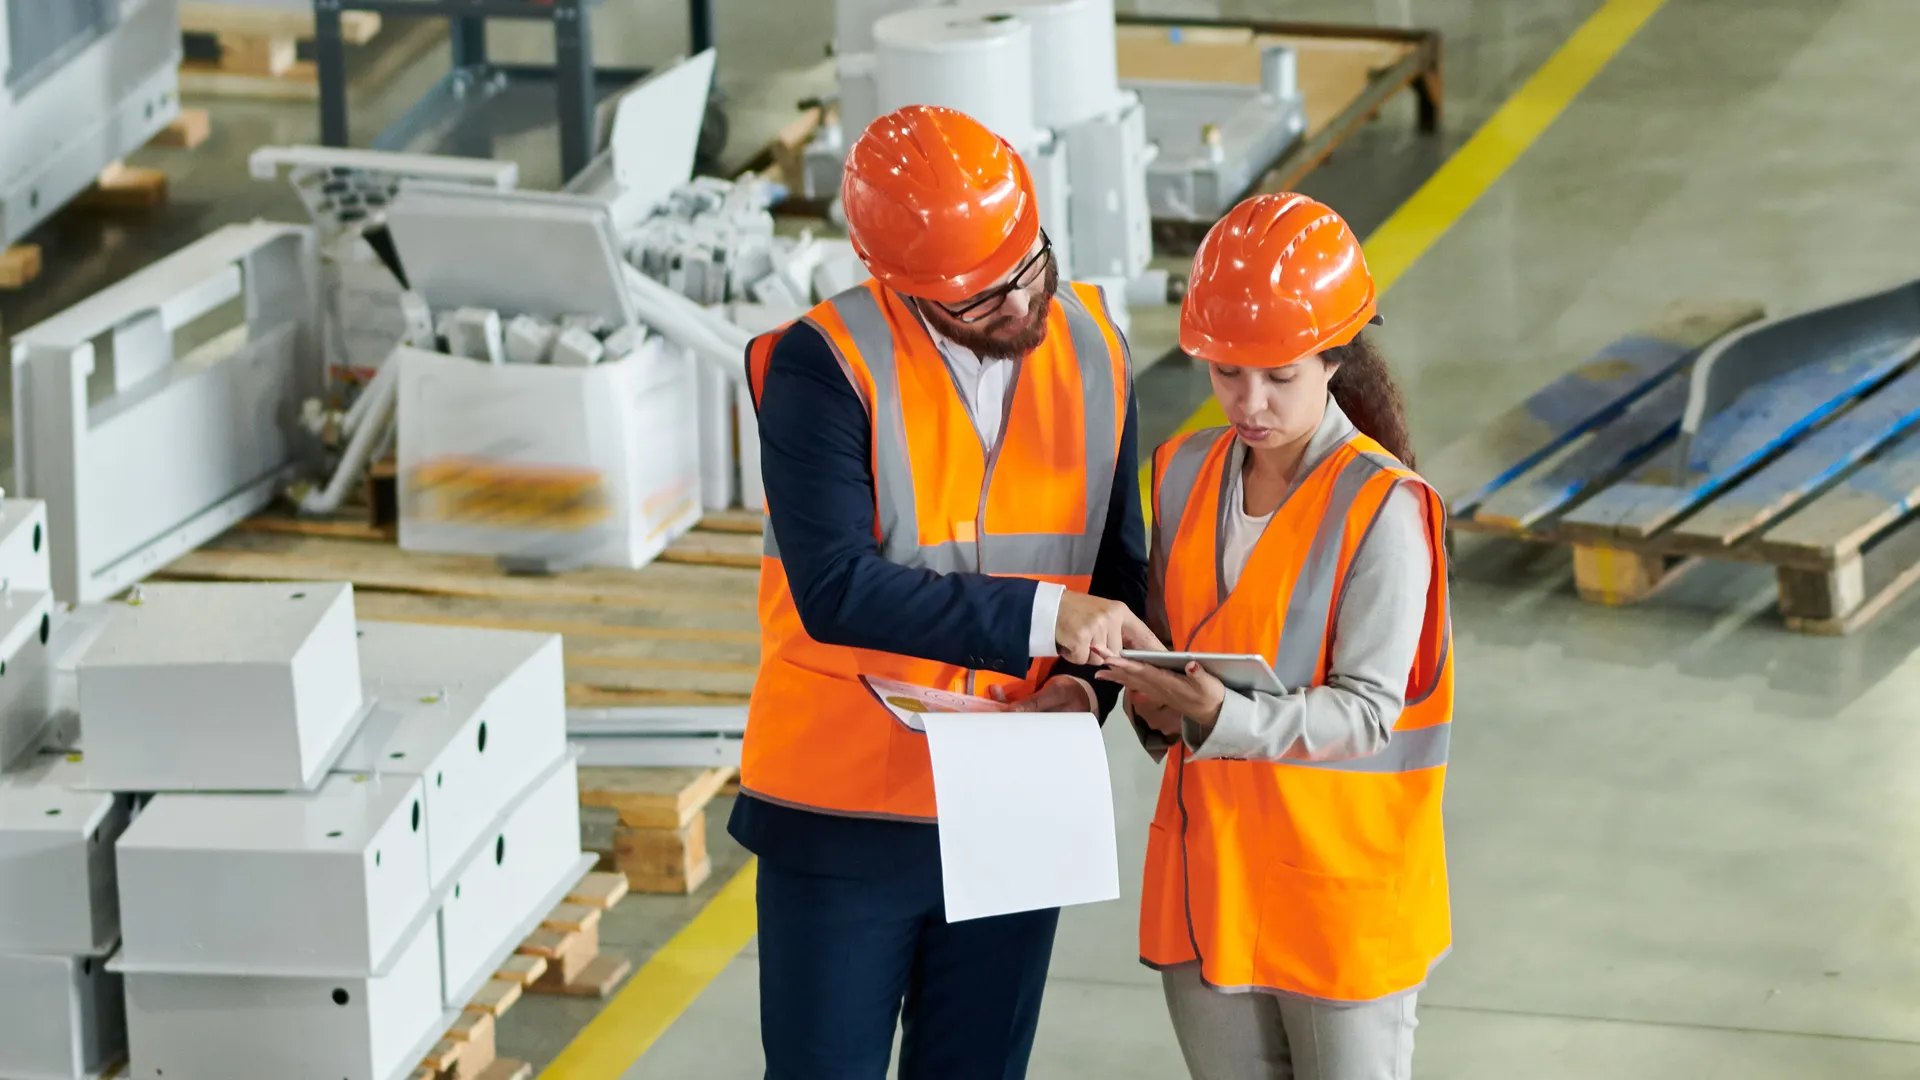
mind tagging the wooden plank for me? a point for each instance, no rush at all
(547, 944)
(572, 918)
(599, 890)
(356, 27)
(571, 953)
(1764, 419)
(19, 266)
(1843, 599)
(1585, 464)
(1590, 395)
(370, 68)
(1832, 528)
(1815, 460)
(693, 633)
(341, 530)
(744, 550)
(496, 997)
(187, 131)
(663, 860)
(1610, 576)
(522, 968)
(663, 798)
(676, 881)
(124, 187)
(507, 1069)
(601, 976)
(472, 1026)
(588, 696)
(733, 521)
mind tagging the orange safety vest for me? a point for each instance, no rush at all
(1324, 880)
(1035, 506)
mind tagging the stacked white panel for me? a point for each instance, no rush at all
(193, 1027)
(327, 883)
(477, 715)
(61, 1017)
(26, 626)
(523, 869)
(222, 688)
(57, 885)
(24, 562)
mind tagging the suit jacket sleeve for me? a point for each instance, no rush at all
(1120, 570)
(815, 459)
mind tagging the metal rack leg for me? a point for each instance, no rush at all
(330, 71)
(469, 41)
(573, 84)
(700, 20)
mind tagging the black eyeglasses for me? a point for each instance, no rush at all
(1024, 275)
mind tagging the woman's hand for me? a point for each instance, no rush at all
(1157, 717)
(1192, 693)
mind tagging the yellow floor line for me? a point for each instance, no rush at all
(663, 989)
(669, 983)
(1420, 221)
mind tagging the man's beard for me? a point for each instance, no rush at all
(1004, 337)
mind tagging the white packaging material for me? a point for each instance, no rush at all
(26, 629)
(234, 687)
(327, 883)
(419, 320)
(61, 1017)
(529, 340)
(57, 892)
(625, 341)
(477, 715)
(776, 290)
(596, 465)
(757, 319)
(474, 333)
(24, 560)
(577, 348)
(223, 1027)
(836, 274)
(592, 324)
(512, 881)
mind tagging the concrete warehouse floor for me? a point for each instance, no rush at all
(1682, 838)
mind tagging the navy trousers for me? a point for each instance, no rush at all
(842, 959)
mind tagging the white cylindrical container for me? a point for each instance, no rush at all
(859, 92)
(1075, 75)
(1280, 72)
(980, 63)
(853, 21)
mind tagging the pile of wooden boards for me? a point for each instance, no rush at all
(247, 50)
(561, 957)
(650, 825)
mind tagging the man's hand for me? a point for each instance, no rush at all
(1060, 694)
(1089, 625)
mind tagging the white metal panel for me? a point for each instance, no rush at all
(226, 415)
(24, 562)
(324, 883)
(57, 884)
(511, 879)
(267, 161)
(229, 687)
(656, 133)
(477, 714)
(26, 679)
(61, 1017)
(197, 1027)
(1110, 216)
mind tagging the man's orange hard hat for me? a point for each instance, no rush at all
(937, 206)
(1278, 279)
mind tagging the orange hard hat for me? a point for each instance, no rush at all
(938, 206)
(1278, 279)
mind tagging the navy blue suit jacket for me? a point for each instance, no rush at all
(815, 449)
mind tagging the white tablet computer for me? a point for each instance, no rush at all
(1239, 671)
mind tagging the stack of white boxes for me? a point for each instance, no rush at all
(60, 1008)
(356, 825)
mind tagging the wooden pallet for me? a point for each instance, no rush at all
(20, 266)
(187, 130)
(122, 187)
(1812, 473)
(467, 1052)
(683, 631)
(650, 825)
(239, 50)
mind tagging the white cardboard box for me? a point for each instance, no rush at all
(477, 715)
(239, 687)
(528, 865)
(324, 883)
(212, 1027)
(57, 891)
(61, 1017)
(569, 465)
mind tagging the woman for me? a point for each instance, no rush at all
(1296, 892)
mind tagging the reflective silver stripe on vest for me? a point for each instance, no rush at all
(1171, 492)
(1024, 553)
(1304, 632)
(1407, 751)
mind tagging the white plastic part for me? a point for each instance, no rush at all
(223, 1027)
(980, 63)
(1075, 76)
(327, 883)
(1110, 217)
(61, 1018)
(57, 893)
(511, 880)
(366, 423)
(232, 687)
(266, 163)
(1047, 163)
(477, 715)
(577, 348)
(625, 341)
(475, 333)
(530, 340)
(226, 415)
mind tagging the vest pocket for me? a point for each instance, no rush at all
(1323, 935)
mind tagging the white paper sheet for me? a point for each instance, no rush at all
(1026, 811)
